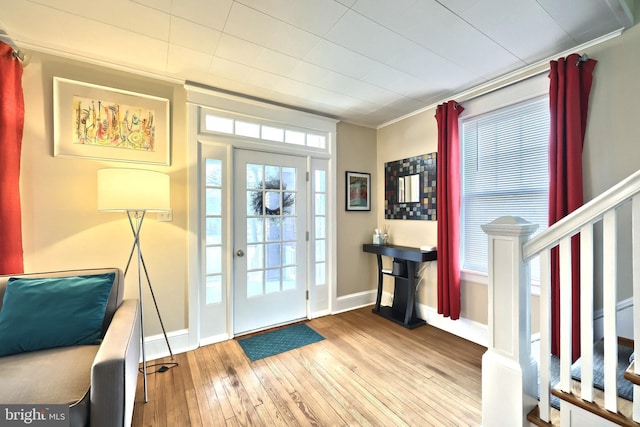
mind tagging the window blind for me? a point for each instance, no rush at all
(504, 172)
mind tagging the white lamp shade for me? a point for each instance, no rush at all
(133, 190)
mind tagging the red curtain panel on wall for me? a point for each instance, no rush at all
(570, 85)
(448, 209)
(11, 126)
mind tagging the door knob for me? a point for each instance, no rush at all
(240, 253)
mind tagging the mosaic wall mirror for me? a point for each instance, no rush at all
(410, 188)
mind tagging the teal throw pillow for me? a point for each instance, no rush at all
(53, 312)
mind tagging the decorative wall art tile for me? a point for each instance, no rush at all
(402, 199)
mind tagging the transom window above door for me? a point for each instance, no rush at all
(268, 132)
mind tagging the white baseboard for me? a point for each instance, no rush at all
(470, 330)
(156, 347)
(320, 313)
(214, 339)
(353, 301)
(464, 328)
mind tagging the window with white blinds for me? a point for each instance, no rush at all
(504, 172)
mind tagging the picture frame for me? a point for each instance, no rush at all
(357, 191)
(103, 123)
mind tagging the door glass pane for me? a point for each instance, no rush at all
(317, 141)
(214, 260)
(289, 179)
(273, 255)
(255, 232)
(288, 278)
(320, 250)
(247, 129)
(255, 257)
(214, 231)
(320, 274)
(254, 176)
(254, 283)
(254, 203)
(320, 204)
(272, 134)
(213, 289)
(289, 228)
(320, 227)
(272, 176)
(289, 253)
(214, 201)
(272, 203)
(320, 182)
(218, 124)
(273, 229)
(213, 173)
(289, 203)
(294, 137)
(273, 280)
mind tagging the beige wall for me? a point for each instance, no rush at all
(356, 152)
(62, 228)
(612, 144)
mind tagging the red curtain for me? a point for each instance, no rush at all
(570, 85)
(11, 126)
(448, 209)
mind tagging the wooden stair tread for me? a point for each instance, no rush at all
(534, 417)
(623, 417)
(630, 374)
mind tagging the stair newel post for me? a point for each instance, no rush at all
(509, 373)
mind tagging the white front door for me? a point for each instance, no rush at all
(270, 251)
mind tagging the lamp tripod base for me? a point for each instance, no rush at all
(135, 221)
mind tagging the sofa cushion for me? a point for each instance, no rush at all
(53, 312)
(50, 377)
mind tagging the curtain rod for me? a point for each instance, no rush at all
(511, 78)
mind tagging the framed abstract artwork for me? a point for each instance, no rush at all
(103, 123)
(358, 191)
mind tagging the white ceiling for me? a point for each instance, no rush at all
(362, 61)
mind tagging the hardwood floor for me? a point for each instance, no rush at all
(368, 371)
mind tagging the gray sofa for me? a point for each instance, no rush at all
(97, 381)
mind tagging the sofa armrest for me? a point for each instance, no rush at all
(114, 374)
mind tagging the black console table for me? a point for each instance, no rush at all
(405, 260)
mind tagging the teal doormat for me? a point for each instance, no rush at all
(258, 347)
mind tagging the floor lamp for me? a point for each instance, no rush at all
(136, 192)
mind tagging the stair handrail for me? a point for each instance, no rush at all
(590, 212)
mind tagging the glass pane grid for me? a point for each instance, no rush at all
(212, 214)
(271, 229)
(320, 227)
(244, 128)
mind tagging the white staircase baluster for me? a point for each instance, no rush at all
(545, 335)
(565, 314)
(609, 300)
(586, 312)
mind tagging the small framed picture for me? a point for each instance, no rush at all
(358, 191)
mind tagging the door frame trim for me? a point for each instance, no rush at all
(199, 98)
